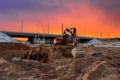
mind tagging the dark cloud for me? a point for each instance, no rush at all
(110, 6)
(13, 5)
(111, 9)
(43, 6)
(76, 1)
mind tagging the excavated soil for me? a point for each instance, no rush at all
(22, 62)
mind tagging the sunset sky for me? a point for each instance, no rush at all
(90, 17)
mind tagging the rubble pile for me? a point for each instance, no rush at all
(21, 62)
(6, 38)
(94, 41)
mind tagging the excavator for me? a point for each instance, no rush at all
(68, 38)
(69, 42)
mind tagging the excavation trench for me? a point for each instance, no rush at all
(43, 54)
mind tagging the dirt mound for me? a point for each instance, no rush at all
(99, 68)
(61, 51)
(111, 55)
(42, 54)
(10, 50)
(13, 46)
(26, 70)
(39, 53)
(20, 62)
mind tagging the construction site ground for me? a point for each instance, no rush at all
(30, 62)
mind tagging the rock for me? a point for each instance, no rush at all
(15, 59)
(31, 63)
(2, 61)
(77, 54)
(96, 54)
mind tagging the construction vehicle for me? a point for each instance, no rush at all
(68, 37)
